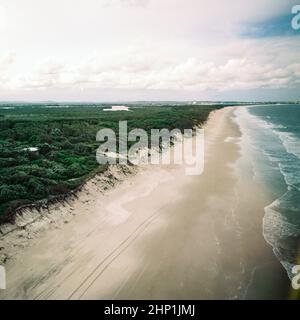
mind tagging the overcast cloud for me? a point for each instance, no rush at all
(187, 49)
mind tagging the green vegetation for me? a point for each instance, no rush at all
(65, 137)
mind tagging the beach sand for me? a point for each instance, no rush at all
(160, 235)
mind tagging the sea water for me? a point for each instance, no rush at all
(272, 135)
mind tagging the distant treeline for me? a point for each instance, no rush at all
(46, 152)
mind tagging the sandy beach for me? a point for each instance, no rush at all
(157, 235)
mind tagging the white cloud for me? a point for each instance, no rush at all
(137, 68)
(6, 62)
(142, 3)
(3, 18)
(187, 45)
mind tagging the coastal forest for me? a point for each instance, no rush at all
(48, 150)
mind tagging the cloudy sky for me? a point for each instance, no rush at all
(100, 50)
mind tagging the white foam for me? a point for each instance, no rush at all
(232, 139)
(276, 226)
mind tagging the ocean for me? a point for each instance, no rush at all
(271, 139)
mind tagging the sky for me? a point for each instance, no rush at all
(128, 50)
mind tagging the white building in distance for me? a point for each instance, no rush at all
(117, 108)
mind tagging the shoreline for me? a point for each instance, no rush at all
(269, 270)
(194, 238)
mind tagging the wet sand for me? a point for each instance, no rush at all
(161, 235)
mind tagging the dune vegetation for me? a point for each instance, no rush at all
(49, 150)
